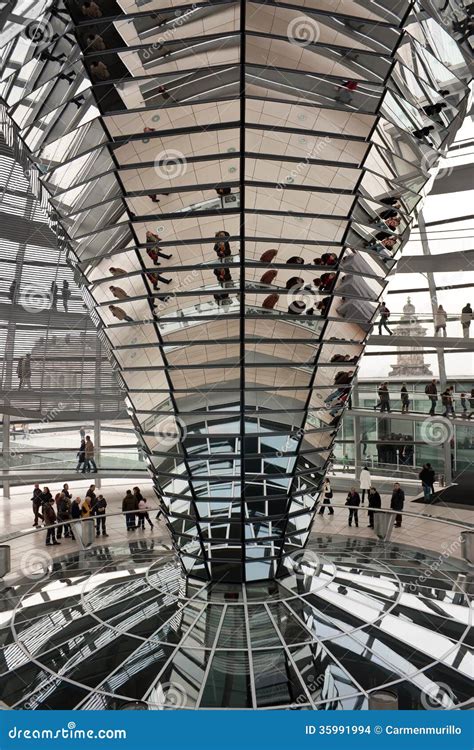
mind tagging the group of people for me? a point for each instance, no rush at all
(355, 499)
(440, 320)
(63, 509)
(448, 400)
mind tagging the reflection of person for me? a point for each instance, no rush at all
(90, 9)
(99, 70)
(95, 42)
(120, 314)
(65, 294)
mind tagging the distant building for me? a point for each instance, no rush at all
(411, 364)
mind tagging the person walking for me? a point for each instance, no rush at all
(327, 495)
(129, 507)
(384, 398)
(81, 455)
(397, 502)
(142, 514)
(447, 402)
(384, 316)
(463, 403)
(26, 371)
(363, 439)
(432, 393)
(440, 320)
(36, 504)
(427, 478)
(89, 455)
(100, 511)
(353, 498)
(404, 399)
(365, 481)
(12, 291)
(466, 317)
(374, 501)
(50, 520)
(65, 294)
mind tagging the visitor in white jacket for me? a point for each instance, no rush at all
(365, 483)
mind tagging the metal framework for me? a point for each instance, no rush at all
(232, 181)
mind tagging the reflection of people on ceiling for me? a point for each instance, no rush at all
(118, 292)
(99, 71)
(95, 43)
(117, 271)
(326, 259)
(222, 246)
(120, 314)
(344, 92)
(90, 9)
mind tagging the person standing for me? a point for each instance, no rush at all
(374, 501)
(440, 320)
(384, 316)
(363, 440)
(26, 371)
(89, 455)
(100, 510)
(447, 402)
(327, 495)
(76, 514)
(353, 498)
(65, 294)
(466, 317)
(86, 507)
(54, 296)
(397, 502)
(432, 393)
(427, 477)
(404, 399)
(50, 520)
(129, 507)
(36, 503)
(12, 291)
(365, 482)
(463, 403)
